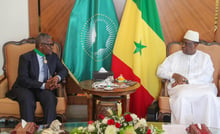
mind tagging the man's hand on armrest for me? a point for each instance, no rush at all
(179, 79)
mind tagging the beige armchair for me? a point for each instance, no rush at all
(9, 108)
(212, 49)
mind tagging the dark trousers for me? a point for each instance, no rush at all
(27, 101)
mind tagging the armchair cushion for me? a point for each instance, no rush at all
(11, 108)
(3, 86)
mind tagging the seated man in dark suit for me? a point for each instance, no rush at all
(39, 72)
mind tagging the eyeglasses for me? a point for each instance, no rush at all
(188, 44)
(48, 44)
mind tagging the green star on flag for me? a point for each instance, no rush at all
(139, 47)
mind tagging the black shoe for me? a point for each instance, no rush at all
(166, 118)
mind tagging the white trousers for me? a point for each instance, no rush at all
(193, 103)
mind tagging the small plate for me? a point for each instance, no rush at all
(108, 88)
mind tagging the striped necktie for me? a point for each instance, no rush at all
(45, 69)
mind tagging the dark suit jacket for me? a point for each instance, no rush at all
(28, 70)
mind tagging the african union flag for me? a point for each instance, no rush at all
(90, 37)
(139, 49)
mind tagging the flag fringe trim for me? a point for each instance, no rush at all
(71, 74)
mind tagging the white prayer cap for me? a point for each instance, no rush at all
(192, 35)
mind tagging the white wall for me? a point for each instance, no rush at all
(14, 24)
(119, 7)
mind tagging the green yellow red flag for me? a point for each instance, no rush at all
(139, 49)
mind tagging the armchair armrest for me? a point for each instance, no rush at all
(164, 90)
(3, 86)
(163, 101)
(218, 86)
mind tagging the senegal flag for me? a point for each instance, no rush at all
(90, 37)
(139, 49)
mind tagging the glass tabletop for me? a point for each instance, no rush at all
(68, 126)
(173, 128)
(181, 128)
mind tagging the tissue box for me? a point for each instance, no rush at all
(98, 76)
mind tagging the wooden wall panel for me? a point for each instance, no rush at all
(176, 17)
(33, 18)
(55, 17)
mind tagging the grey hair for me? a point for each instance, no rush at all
(41, 37)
